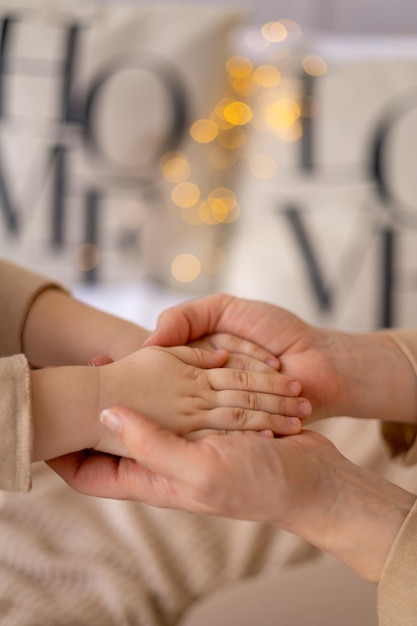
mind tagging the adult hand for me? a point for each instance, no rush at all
(358, 374)
(300, 483)
(241, 475)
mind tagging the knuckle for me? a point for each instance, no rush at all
(253, 401)
(197, 375)
(240, 417)
(282, 405)
(242, 379)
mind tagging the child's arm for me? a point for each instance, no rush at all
(60, 330)
(171, 385)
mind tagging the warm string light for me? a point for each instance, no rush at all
(261, 96)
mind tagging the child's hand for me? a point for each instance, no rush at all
(175, 387)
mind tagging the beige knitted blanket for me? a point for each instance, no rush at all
(72, 560)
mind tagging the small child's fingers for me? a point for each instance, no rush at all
(269, 403)
(263, 382)
(233, 343)
(230, 419)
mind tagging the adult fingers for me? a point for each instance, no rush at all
(238, 361)
(188, 321)
(107, 476)
(159, 450)
(238, 345)
(205, 359)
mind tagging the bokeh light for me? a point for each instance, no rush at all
(267, 75)
(220, 207)
(294, 30)
(275, 32)
(246, 86)
(204, 131)
(237, 113)
(282, 113)
(314, 65)
(185, 195)
(239, 66)
(175, 167)
(185, 268)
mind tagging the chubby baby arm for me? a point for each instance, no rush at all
(188, 390)
(64, 411)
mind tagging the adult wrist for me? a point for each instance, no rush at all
(376, 379)
(356, 516)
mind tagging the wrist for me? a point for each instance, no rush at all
(375, 377)
(64, 410)
(114, 387)
(354, 515)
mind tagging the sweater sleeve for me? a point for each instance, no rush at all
(397, 590)
(402, 438)
(16, 424)
(18, 289)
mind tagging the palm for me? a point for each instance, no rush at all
(304, 351)
(301, 348)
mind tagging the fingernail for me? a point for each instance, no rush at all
(295, 387)
(111, 421)
(294, 421)
(305, 408)
(266, 433)
(272, 362)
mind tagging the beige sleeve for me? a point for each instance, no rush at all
(16, 424)
(397, 597)
(402, 438)
(18, 289)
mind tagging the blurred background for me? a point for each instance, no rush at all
(151, 153)
(154, 153)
